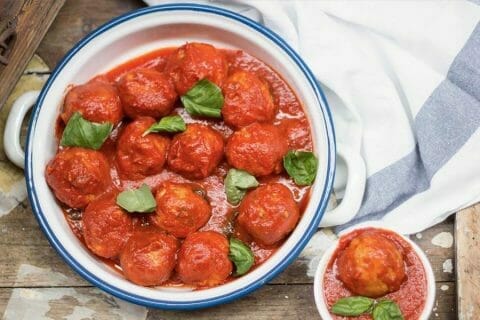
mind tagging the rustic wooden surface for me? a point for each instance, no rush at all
(29, 267)
(33, 19)
(467, 229)
(36, 284)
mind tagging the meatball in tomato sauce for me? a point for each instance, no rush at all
(146, 92)
(139, 156)
(180, 211)
(96, 101)
(268, 213)
(247, 100)
(203, 259)
(196, 152)
(149, 257)
(193, 62)
(371, 265)
(297, 132)
(78, 176)
(106, 227)
(257, 148)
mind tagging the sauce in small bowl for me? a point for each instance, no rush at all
(411, 287)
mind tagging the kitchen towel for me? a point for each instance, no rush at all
(402, 79)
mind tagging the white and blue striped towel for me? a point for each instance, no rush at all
(403, 82)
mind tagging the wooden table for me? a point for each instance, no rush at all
(37, 284)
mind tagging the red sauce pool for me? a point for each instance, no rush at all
(290, 117)
(410, 297)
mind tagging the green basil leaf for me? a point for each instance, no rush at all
(236, 184)
(167, 124)
(387, 310)
(352, 306)
(241, 255)
(80, 132)
(137, 200)
(204, 99)
(301, 166)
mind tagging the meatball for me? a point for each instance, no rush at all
(193, 62)
(298, 133)
(97, 101)
(371, 265)
(247, 100)
(140, 156)
(149, 257)
(257, 148)
(78, 176)
(268, 213)
(146, 92)
(106, 227)
(196, 152)
(203, 259)
(180, 211)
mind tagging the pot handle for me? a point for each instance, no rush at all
(11, 137)
(354, 189)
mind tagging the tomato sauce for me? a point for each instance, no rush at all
(410, 297)
(290, 116)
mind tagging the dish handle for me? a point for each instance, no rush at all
(354, 189)
(13, 127)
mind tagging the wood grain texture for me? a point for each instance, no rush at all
(77, 19)
(24, 243)
(33, 19)
(467, 232)
(30, 262)
(272, 302)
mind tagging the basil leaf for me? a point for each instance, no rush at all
(387, 310)
(80, 132)
(236, 184)
(167, 124)
(204, 99)
(352, 306)
(137, 200)
(301, 166)
(241, 255)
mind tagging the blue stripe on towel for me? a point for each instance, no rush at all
(445, 122)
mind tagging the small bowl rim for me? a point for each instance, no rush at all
(322, 266)
(288, 258)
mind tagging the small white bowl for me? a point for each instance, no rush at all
(322, 266)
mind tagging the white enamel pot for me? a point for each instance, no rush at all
(134, 34)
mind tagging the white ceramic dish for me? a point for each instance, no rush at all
(121, 40)
(322, 266)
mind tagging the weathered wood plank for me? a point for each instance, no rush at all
(269, 302)
(438, 256)
(445, 306)
(24, 244)
(33, 19)
(288, 302)
(467, 232)
(75, 20)
(65, 303)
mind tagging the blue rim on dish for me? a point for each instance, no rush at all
(292, 254)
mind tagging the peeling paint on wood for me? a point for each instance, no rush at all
(12, 182)
(448, 266)
(443, 239)
(69, 304)
(28, 274)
